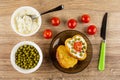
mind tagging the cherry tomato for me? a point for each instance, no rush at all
(47, 33)
(72, 23)
(91, 30)
(78, 46)
(55, 21)
(85, 18)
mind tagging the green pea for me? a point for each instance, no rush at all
(82, 51)
(36, 61)
(72, 51)
(83, 43)
(78, 38)
(18, 50)
(25, 46)
(21, 48)
(35, 54)
(81, 54)
(27, 57)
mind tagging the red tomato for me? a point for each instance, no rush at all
(85, 18)
(55, 21)
(47, 33)
(72, 23)
(78, 46)
(91, 30)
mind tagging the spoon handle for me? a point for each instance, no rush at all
(60, 7)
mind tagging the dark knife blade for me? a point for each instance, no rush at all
(103, 27)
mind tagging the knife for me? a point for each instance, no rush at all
(101, 65)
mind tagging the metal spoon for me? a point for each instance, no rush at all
(60, 7)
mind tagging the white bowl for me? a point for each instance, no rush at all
(19, 12)
(12, 57)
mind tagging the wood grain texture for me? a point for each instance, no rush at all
(73, 9)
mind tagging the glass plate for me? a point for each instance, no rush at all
(59, 39)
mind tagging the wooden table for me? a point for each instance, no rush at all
(72, 9)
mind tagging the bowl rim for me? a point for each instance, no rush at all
(18, 10)
(12, 57)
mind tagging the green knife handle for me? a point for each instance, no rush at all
(101, 65)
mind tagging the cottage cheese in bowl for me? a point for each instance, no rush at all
(23, 24)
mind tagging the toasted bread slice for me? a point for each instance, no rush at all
(69, 44)
(64, 58)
